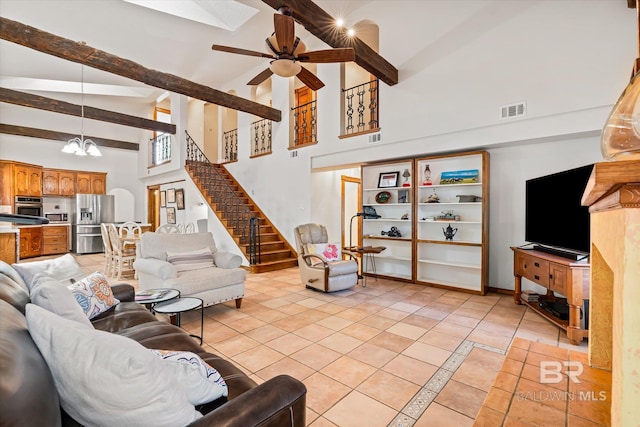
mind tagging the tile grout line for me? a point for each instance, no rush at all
(420, 402)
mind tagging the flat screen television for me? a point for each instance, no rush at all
(554, 218)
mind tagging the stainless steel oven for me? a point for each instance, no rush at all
(61, 217)
(28, 205)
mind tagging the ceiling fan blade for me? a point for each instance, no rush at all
(260, 77)
(309, 79)
(328, 55)
(285, 32)
(241, 51)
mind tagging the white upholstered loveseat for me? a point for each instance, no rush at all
(220, 282)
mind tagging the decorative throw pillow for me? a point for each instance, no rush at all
(94, 295)
(107, 379)
(61, 268)
(55, 297)
(330, 251)
(191, 260)
(203, 383)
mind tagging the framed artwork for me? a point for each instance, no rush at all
(388, 179)
(163, 199)
(180, 198)
(171, 215)
(171, 195)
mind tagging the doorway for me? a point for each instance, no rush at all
(153, 206)
(351, 205)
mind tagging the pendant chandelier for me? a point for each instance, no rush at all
(79, 145)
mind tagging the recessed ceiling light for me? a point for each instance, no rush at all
(339, 22)
(351, 32)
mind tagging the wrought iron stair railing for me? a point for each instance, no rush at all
(228, 201)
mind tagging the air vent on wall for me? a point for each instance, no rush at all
(375, 138)
(293, 153)
(513, 110)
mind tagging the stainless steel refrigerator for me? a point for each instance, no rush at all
(90, 211)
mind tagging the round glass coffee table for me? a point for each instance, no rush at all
(154, 296)
(178, 306)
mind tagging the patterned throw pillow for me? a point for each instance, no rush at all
(94, 295)
(203, 383)
(191, 260)
(331, 251)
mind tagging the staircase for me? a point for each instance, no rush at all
(262, 244)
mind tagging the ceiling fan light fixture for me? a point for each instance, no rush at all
(285, 67)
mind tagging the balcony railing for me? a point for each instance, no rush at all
(305, 124)
(260, 138)
(230, 140)
(160, 149)
(361, 108)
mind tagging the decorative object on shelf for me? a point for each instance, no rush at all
(163, 199)
(403, 196)
(171, 195)
(393, 232)
(370, 212)
(427, 175)
(180, 199)
(466, 198)
(405, 216)
(447, 216)
(383, 197)
(171, 215)
(433, 198)
(388, 179)
(79, 145)
(449, 232)
(469, 176)
(406, 175)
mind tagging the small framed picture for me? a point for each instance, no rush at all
(180, 198)
(171, 215)
(171, 195)
(388, 179)
(163, 199)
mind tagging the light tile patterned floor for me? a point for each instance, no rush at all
(388, 354)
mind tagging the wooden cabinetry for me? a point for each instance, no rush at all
(423, 253)
(30, 242)
(392, 203)
(27, 180)
(8, 247)
(55, 239)
(91, 183)
(57, 182)
(566, 277)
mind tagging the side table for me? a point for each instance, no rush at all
(178, 306)
(150, 297)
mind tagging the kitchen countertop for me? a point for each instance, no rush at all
(5, 230)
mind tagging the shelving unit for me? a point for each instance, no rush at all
(396, 261)
(461, 262)
(422, 254)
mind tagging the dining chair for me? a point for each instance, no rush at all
(167, 229)
(189, 228)
(122, 257)
(129, 229)
(108, 250)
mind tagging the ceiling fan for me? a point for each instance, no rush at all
(288, 52)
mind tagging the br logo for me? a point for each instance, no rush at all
(551, 371)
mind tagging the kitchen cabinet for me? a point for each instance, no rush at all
(8, 247)
(91, 183)
(57, 182)
(30, 242)
(55, 239)
(27, 180)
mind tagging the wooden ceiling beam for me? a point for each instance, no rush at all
(61, 136)
(25, 99)
(70, 50)
(322, 25)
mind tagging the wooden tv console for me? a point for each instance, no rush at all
(564, 276)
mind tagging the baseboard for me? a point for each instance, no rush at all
(500, 291)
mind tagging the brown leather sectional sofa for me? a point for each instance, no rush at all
(28, 395)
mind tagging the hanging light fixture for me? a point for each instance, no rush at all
(79, 145)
